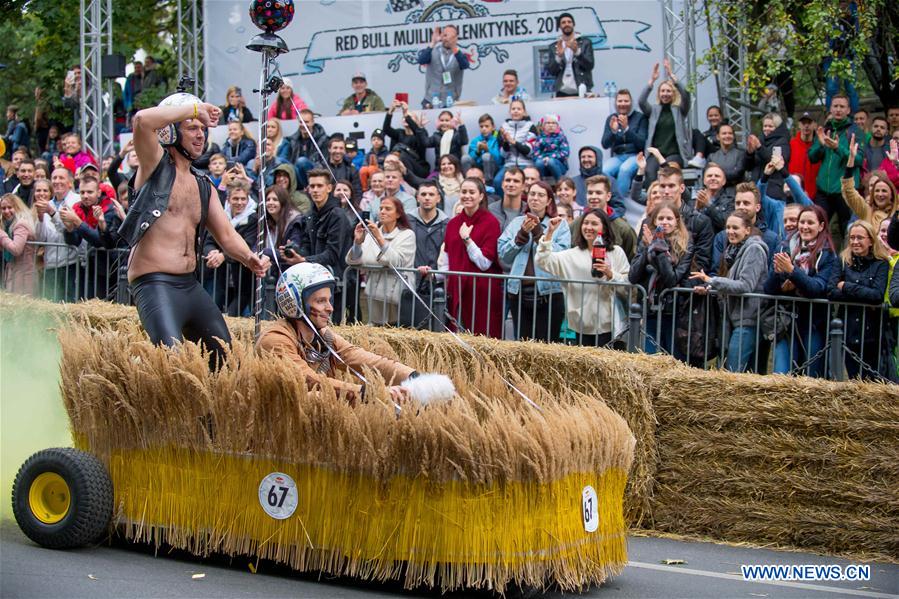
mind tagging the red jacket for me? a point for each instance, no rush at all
(800, 165)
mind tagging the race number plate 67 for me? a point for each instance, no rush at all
(278, 495)
(589, 509)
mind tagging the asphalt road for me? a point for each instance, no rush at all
(125, 571)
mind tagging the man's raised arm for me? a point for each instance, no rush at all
(147, 121)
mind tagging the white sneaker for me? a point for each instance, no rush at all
(697, 162)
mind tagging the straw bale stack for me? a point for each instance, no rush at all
(480, 492)
(779, 460)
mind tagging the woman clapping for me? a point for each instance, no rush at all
(390, 244)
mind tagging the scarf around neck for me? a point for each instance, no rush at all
(803, 257)
(730, 254)
(241, 219)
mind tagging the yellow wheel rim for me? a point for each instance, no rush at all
(49, 498)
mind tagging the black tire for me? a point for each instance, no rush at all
(90, 503)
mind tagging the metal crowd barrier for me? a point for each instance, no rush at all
(83, 274)
(693, 328)
(98, 273)
(782, 335)
(512, 317)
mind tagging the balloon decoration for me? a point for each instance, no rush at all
(271, 15)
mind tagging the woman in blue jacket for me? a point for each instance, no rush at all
(239, 147)
(538, 307)
(803, 271)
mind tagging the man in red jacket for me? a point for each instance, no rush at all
(799, 147)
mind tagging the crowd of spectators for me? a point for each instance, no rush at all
(519, 247)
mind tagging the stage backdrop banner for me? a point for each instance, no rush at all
(331, 40)
(582, 122)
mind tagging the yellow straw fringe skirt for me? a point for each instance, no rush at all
(466, 534)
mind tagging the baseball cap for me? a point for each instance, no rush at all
(351, 145)
(359, 75)
(806, 117)
(378, 133)
(86, 166)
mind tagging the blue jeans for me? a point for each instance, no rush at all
(488, 165)
(832, 87)
(812, 341)
(741, 349)
(623, 167)
(302, 166)
(552, 168)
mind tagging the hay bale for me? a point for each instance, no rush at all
(479, 492)
(775, 459)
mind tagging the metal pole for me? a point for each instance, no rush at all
(267, 58)
(633, 332)
(270, 46)
(108, 145)
(82, 116)
(837, 353)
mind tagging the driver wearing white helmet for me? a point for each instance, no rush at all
(303, 295)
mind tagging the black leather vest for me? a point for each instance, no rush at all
(147, 205)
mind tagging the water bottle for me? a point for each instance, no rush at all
(435, 102)
(449, 100)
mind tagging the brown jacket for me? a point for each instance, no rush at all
(280, 338)
(860, 206)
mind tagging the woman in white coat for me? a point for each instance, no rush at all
(595, 311)
(391, 243)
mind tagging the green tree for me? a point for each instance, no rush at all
(39, 43)
(800, 34)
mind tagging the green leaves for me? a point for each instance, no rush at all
(777, 33)
(39, 40)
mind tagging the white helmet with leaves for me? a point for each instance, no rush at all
(297, 283)
(170, 135)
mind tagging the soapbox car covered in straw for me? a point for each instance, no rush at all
(483, 491)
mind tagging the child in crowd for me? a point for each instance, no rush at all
(217, 166)
(374, 158)
(484, 151)
(354, 154)
(551, 148)
(451, 136)
(517, 138)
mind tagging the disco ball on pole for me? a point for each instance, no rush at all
(271, 15)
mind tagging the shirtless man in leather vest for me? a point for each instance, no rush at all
(171, 203)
